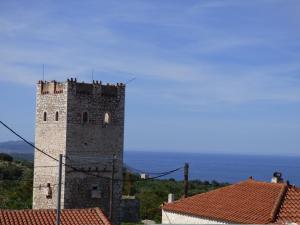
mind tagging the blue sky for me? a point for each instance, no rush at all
(211, 76)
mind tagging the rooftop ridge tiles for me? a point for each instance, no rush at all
(278, 203)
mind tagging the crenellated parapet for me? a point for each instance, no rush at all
(51, 87)
(95, 88)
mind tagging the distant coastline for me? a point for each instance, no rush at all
(220, 167)
(203, 166)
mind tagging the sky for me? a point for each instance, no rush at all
(212, 76)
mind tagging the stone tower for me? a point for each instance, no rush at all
(85, 123)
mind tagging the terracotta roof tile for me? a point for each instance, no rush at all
(290, 208)
(246, 202)
(92, 216)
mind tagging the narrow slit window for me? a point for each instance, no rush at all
(49, 191)
(85, 117)
(45, 116)
(56, 116)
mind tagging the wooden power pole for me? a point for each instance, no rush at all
(186, 179)
(59, 191)
(112, 188)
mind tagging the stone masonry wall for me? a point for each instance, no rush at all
(50, 136)
(87, 141)
(92, 144)
(130, 210)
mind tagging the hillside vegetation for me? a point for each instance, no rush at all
(15, 183)
(16, 188)
(152, 193)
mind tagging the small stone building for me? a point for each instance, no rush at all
(130, 209)
(85, 123)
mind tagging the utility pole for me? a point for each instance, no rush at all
(186, 179)
(59, 190)
(112, 188)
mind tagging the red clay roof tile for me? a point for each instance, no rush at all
(290, 208)
(245, 202)
(92, 216)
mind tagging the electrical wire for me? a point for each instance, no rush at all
(26, 180)
(80, 170)
(16, 180)
(143, 171)
(38, 149)
(27, 142)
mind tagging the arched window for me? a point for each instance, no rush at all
(106, 118)
(85, 117)
(45, 116)
(56, 116)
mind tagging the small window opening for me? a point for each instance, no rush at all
(45, 116)
(95, 192)
(95, 188)
(56, 116)
(85, 117)
(49, 191)
(106, 119)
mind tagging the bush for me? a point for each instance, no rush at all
(6, 157)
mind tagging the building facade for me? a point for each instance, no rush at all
(178, 218)
(85, 123)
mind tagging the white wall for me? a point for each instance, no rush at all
(176, 218)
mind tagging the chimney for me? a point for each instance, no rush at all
(171, 198)
(277, 177)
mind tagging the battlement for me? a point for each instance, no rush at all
(52, 87)
(94, 88)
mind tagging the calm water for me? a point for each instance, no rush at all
(226, 168)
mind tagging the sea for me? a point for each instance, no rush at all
(219, 167)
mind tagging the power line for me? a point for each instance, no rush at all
(16, 180)
(43, 166)
(165, 174)
(143, 171)
(38, 149)
(26, 180)
(27, 142)
(130, 80)
(79, 170)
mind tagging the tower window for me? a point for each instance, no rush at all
(45, 116)
(49, 191)
(106, 119)
(95, 187)
(85, 117)
(56, 116)
(95, 192)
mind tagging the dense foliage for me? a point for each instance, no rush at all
(153, 193)
(15, 183)
(16, 188)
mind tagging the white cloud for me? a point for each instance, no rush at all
(76, 47)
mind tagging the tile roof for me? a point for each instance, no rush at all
(91, 216)
(245, 202)
(290, 208)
